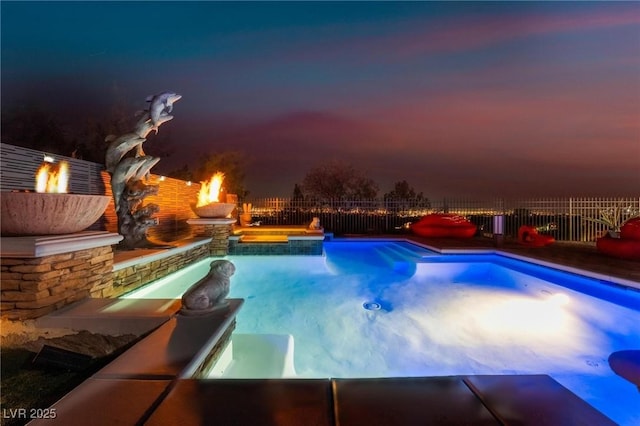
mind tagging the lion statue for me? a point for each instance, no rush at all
(315, 224)
(210, 292)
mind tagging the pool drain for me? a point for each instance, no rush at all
(371, 306)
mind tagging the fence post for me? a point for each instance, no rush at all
(498, 230)
(570, 219)
(386, 216)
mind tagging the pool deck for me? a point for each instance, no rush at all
(129, 392)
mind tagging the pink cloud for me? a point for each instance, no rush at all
(471, 33)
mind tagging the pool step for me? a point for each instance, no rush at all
(264, 356)
(398, 261)
(413, 253)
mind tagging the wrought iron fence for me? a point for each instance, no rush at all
(567, 219)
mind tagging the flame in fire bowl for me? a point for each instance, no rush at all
(32, 213)
(213, 210)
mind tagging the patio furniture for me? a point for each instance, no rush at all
(625, 247)
(529, 236)
(444, 225)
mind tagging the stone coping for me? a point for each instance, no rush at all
(47, 245)
(223, 321)
(211, 221)
(275, 234)
(313, 237)
(590, 274)
(112, 316)
(528, 400)
(277, 230)
(105, 402)
(126, 258)
(175, 349)
(274, 238)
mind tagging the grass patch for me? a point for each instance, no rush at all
(27, 386)
(24, 386)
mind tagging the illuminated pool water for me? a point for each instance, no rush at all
(435, 315)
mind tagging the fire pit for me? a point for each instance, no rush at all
(213, 210)
(208, 205)
(50, 210)
(32, 213)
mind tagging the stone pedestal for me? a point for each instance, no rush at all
(219, 231)
(43, 273)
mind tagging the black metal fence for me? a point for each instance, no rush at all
(567, 219)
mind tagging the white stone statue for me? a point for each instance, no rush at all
(315, 224)
(209, 293)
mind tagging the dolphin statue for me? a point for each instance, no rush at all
(147, 163)
(145, 125)
(119, 147)
(124, 171)
(161, 103)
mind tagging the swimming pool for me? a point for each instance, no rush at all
(435, 315)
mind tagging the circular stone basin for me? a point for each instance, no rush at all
(219, 210)
(33, 213)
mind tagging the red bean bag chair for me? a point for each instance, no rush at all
(529, 236)
(625, 247)
(626, 364)
(630, 230)
(444, 225)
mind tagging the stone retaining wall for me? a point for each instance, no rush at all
(32, 287)
(132, 277)
(219, 237)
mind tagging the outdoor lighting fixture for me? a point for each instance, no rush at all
(188, 183)
(162, 178)
(49, 159)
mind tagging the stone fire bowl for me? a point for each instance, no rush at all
(33, 213)
(213, 210)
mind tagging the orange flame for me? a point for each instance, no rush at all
(52, 178)
(210, 191)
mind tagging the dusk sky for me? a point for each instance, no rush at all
(459, 99)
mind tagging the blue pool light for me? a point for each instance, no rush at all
(371, 306)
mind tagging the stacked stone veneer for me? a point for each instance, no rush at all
(219, 234)
(32, 287)
(132, 277)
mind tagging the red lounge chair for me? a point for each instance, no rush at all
(443, 225)
(625, 247)
(528, 236)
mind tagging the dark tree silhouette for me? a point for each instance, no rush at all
(338, 180)
(405, 194)
(297, 193)
(231, 163)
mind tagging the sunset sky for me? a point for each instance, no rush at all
(473, 99)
